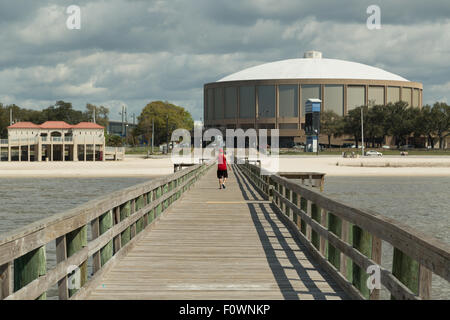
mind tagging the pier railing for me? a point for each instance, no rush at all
(347, 242)
(114, 221)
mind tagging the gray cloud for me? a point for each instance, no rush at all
(133, 52)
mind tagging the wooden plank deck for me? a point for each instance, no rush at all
(218, 244)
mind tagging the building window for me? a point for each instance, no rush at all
(210, 106)
(376, 96)
(356, 97)
(406, 96)
(247, 102)
(288, 101)
(288, 126)
(266, 101)
(393, 94)
(416, 98)
(334, 99)
(230, 102)
(309, 91)
(218, 103)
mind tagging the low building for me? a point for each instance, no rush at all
(53, 141)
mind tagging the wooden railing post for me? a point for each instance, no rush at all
(315, 215)
(308, 227)
(425, 276)
(61, 255)
(406, 270)
(376, 257)
(5, 280)
(95, 231)
(323, 241)
(75, 241)
(30, 267)
(334, 226)
(117, 241)
(106, 223)
(125, 212)
(362, 241)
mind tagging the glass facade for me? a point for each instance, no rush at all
(309, 91)
(393, 94)
(247, 102)
(288, 101)
(230, 102)
(376, 96)
(210, 105)
(218, 103)
(266, 101)
(416, 98)
(356, 97)
(334, 99)
(406, 96)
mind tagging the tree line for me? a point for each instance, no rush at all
(60, 111)
(394, 119)
(160, 112)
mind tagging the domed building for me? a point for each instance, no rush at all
(273, 95)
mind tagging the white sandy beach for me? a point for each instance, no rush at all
(138, 166)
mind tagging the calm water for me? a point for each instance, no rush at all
(25, 200)
(420, 202)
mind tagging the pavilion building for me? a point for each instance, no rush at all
(53, 141)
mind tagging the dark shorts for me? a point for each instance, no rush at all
(222, 174)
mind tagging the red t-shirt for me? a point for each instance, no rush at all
(223, 165)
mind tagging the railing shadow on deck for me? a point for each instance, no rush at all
(116, 223)
(278, 270)
(347, 241)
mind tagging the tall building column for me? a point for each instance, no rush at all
(63, 151)
(51, 151)
(38, 152)
(85, 151)
(29, 156)
(75, 151)
(9, 152)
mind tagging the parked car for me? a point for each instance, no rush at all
(299, 146)
(373, 153)
(386, 147)
(406, 147)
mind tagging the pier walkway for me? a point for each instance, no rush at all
(271, 236)
(218, 244)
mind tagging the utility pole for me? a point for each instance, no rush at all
(153, 132)
(134, 119)
(167, 127)
(123, 128)
(362, 132)
(10, 117)
(94, 114)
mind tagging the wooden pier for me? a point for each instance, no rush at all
(180, 237)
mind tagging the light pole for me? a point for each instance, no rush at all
(362, 133)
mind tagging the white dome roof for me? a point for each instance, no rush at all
(310, 68)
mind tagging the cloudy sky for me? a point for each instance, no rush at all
(131, 52)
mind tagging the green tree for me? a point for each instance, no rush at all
(352, 123)
(113, 140)
(62, 111)
(400, 121)
(101, 114)
(440, 115)
(330, 125)
(161, 112)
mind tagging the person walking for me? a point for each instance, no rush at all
(222, 172)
